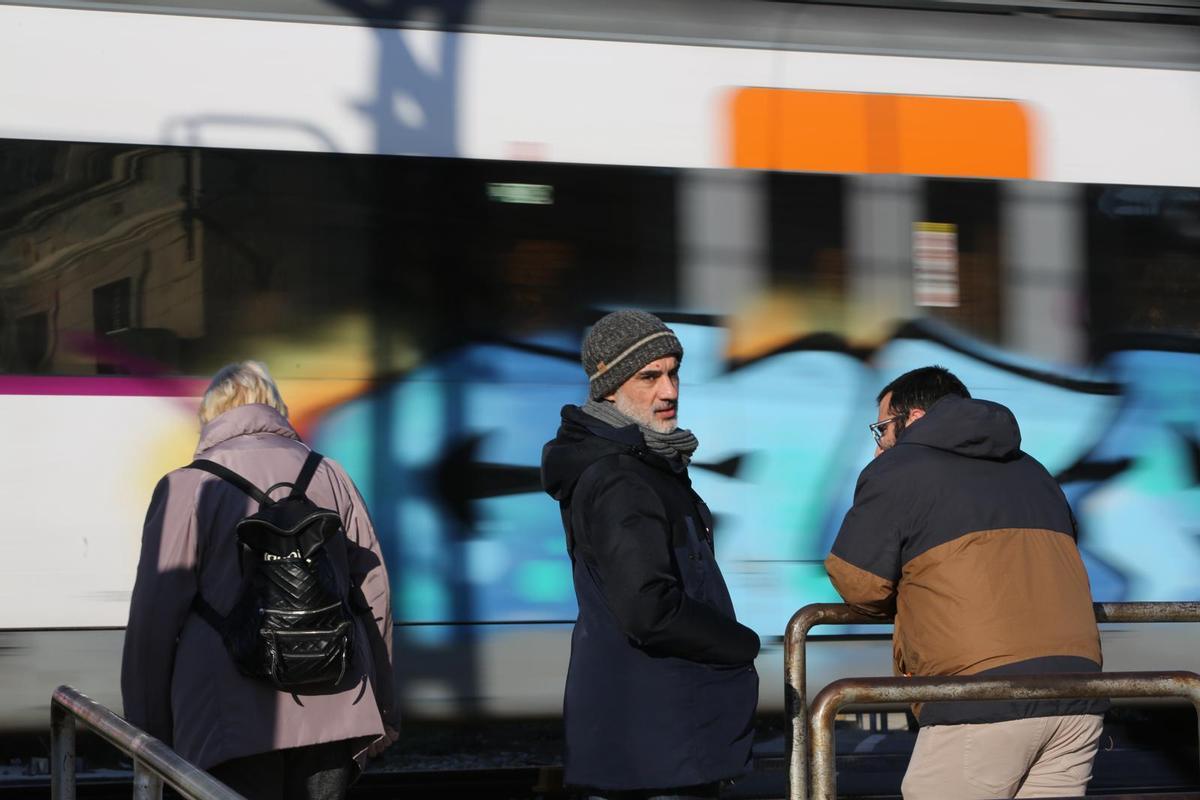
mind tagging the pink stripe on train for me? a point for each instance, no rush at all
(101, 386)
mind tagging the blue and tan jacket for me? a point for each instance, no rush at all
(970, 543)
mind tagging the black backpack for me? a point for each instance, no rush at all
(291, 625)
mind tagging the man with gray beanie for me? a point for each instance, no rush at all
(661, 689)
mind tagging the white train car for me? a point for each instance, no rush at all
(412, 211)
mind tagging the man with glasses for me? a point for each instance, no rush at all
(968, 542)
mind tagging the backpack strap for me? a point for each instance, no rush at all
(306, 473)
(229, 476)
(208, 613)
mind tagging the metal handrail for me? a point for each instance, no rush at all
(848, 691)
(795, 703)
(796, 637)
(153, 761)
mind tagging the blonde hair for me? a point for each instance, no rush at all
(238, 385)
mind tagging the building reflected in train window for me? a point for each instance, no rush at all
(156, 260)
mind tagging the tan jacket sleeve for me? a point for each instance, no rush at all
(862, 590)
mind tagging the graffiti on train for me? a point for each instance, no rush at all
(448, 460)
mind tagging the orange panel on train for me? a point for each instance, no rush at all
(809, 131)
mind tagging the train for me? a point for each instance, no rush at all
(412, 212)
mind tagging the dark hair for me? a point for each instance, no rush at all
(921, 388)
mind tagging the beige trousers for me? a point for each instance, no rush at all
(1036, 757)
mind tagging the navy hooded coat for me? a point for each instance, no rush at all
(661, 689)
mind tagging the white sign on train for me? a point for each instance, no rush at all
(935, 264)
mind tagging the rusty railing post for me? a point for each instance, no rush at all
(146, 785)
(794, 703)
(849, 691)
(795, 673)
(795, 639)
(62, 754)
(153, 762)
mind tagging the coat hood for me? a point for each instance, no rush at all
(241, 421)
(971, 428)
(581, 441)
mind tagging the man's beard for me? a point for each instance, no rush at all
(646, 418)
(897, 427)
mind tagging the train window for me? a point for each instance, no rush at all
(173, 259)
(805, 246)
(1143, 262)
(177, 260)
(793, 248)
(973, 209)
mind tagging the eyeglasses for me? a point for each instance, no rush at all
(878, 429)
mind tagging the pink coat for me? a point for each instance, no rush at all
(177, 680)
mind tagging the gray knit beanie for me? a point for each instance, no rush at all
(620, 344)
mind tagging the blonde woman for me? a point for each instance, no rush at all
(178, 681)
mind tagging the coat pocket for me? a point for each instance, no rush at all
(695, 562)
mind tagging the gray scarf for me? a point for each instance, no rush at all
(678, 444)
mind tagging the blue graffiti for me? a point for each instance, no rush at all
(448, 460)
